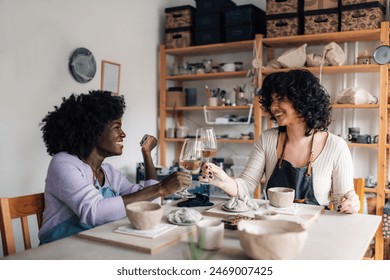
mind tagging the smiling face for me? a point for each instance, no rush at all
(284, 111)
(111, 141)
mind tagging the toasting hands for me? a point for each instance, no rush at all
(174, 182)
(214, 175)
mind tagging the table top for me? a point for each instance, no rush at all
(332, 236)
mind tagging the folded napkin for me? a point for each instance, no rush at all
(199, 200)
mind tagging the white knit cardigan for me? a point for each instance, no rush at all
(332, 170)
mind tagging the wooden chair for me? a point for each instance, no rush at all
(15, 208)
(360, 184)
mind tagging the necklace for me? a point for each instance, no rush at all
(95, 174)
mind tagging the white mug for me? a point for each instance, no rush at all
(210, 234)
(229, 67)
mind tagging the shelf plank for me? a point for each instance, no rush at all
(240, 46)
(355, 106)
(200, 108)
(208, 76)
(323, 38)
(356, 68)
(362, 145)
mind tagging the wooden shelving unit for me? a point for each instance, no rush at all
(179, 54)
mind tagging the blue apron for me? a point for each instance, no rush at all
(72, 225)
(300, 179)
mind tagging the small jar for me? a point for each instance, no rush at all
(207, 65)
(200, 69)
(239, 66)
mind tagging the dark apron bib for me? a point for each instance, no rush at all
(300, 179)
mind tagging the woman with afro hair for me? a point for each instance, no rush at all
(299, 152)
(81, 190)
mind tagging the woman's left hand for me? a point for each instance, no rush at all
(349, 204)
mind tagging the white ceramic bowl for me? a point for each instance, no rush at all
(281, 197)
(271, 239)
(144, 215)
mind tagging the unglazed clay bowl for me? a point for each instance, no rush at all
(144, 215)
(271, 239)
(281, 197)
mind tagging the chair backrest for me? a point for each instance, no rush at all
(15, 208)
(360, 184)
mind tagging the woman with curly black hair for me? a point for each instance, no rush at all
(299, 153)
(81, 191)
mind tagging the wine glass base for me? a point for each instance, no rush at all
(186, 194)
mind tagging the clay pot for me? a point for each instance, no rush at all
(281, 197)
(144, 215)
(271, 239)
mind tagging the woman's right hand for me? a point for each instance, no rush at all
(214, 175)
(175, 182)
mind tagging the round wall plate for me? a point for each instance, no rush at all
(382, 54)
(82, 65)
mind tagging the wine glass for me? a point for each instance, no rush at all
(190, 160)
(208, 140)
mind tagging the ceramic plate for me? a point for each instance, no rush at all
(182, 224)
(234, 210)
(82, 65)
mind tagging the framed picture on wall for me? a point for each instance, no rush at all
(111, 73)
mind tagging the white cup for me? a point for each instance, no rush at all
(229, 67)
(210, 234)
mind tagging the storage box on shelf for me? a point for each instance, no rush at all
(209, 20)
(281, 25)
(178, 37)
(274, 7)
(210, 6)
(180, 16)
(179, 22)
(321, 21)
(320, 5)
(209, 36)
(351, 2)
(176, 97)
(362, 16)
(244, 22)
(380, 111)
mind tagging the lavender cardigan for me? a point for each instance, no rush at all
(70, 191)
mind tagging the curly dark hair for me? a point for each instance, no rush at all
(76, 125)
(309, 98)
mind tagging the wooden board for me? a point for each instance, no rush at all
(305, 215)
(105, 233)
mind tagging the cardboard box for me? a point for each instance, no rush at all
(176, 97)
(275, 7)
(178, 37)
(322, 21)
(362, 16)
(284, 25)
(311, 5)
(180, 16)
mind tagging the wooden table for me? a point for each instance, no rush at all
(332, 236)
